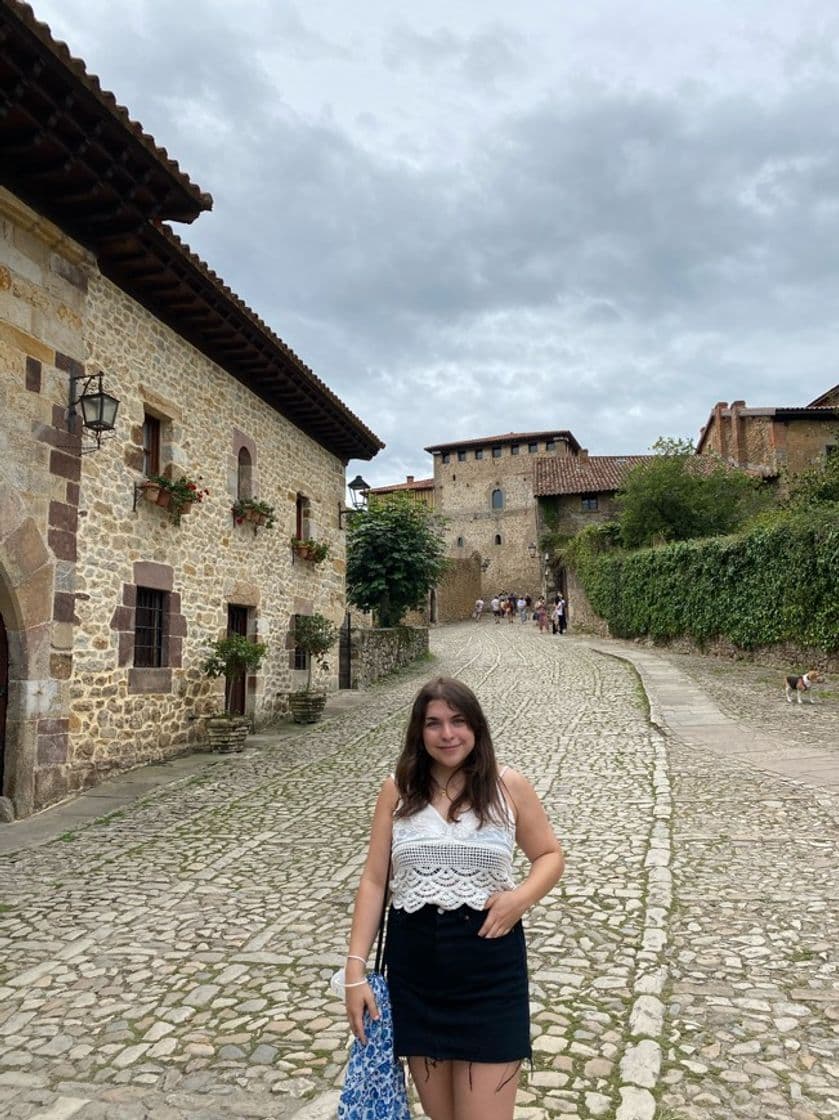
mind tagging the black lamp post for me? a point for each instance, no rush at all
(98, 408)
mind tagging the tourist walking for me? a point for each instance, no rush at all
(559, 616)
(444, 830)
(479, 609)
(495, 607)
(541, 613)
(521, 606)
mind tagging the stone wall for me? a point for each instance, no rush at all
(377, 652)
(458, 590)
(767, 441)
(75, 543)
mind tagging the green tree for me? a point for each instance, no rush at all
(395, 555)
(678, 495)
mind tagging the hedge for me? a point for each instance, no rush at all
(779, 581)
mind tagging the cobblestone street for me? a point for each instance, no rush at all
(171, 961)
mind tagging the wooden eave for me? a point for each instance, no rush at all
(154, 267)
(69, 150)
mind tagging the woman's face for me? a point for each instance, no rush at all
(447, 736)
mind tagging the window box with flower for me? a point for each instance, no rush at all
(177, 495)
(307, 549)
(253, 511)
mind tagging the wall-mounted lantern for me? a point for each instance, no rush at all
(98, 408)
(359, 489)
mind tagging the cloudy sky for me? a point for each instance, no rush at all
(472, 217)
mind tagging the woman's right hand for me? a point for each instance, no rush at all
(357, 1000)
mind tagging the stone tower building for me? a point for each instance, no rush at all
(484, 490)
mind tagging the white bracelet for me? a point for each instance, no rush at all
(356, 983)
(353, 957)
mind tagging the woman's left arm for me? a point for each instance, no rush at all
(537, 839)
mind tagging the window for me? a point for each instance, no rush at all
(151, 445)
(514, 449)
(446, 457)
(461, 456)
(460, 542)
(496, 452)
(148, 628)
(498, 538)
(479, 453)
(550, 444)
(244, 474)
(532, 447)
(301, 518)
(496, 500)
(588, 503)
(301, 657)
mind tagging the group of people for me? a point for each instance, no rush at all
(506, 605)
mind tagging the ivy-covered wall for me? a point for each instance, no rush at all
(776, 583)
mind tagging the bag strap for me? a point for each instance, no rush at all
(380, 940)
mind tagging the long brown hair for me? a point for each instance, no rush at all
(480, 770)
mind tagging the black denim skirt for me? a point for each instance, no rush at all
(456, 996)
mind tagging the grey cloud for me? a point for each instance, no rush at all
(484, 58)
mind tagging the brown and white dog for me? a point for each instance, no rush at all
(798, 686)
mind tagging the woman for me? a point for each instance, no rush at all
(444, 827)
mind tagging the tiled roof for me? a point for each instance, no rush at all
(509, 437)
(827, 400)
(418, 484)
(595, 475)
(14, 10)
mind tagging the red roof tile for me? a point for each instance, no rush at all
(594, 475)
(26, 16)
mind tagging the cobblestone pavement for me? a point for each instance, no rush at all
(171, 961)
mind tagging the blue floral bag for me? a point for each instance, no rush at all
(374, 1086)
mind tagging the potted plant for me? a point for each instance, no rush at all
(178, 495)
(316, 635)
(230, 657)
(308, 549)
(251, 509)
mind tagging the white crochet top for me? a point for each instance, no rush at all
(451, 863)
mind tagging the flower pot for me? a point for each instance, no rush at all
(227, 734)
(164, 498)
(151, 491)
(306, 707)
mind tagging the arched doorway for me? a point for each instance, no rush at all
(4, 695)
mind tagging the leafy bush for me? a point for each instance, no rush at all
(775, 582)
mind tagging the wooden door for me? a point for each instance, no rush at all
(237, 623)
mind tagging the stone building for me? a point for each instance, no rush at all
(771, 440)
(575, 492)
(107, 605)
(422, 489)
(484, 490)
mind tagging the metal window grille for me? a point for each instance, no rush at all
(148, 628)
